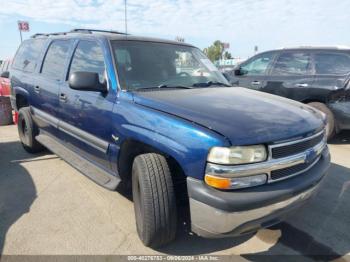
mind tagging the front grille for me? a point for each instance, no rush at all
(298, 147)
(292, 170)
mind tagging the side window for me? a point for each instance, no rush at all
(88, 57)
(55, 59)
(291, 63)
(259, 65)
(26, 58)
(332, 63)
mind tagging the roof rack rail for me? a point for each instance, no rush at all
(38, 35)
(77, 30)
(48, 34)
(90, 31)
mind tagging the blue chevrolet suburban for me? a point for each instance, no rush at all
(157, 117)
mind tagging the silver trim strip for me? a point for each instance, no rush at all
(297, 141)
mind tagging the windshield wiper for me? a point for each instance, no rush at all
(210, 83)
(165, 86)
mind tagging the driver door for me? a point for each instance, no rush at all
(86, 115)
(252, 73)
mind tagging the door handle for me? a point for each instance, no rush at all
(255, 83)
(37, 89)
(63, 97)
(301, 85)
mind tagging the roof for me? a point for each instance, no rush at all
(336, 47)
(112, 35)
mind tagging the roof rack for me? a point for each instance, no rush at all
(38, 35)
(48, 34)
(90, 31)
(78, 30)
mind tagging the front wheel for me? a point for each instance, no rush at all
(154, 200)
(330, 127)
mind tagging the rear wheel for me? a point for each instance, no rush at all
(330, 127)
(154, 200)
(27, 131)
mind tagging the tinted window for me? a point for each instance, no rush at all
(258, 65)
(332, 63)
(88, 57)
(27, 55)
(292, 63)
(55, 59)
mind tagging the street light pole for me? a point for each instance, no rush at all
(126, 18)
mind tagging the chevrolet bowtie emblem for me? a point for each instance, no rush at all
(115, 138)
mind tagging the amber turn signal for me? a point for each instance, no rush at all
(218, 182)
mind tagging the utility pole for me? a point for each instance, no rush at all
(126, 18)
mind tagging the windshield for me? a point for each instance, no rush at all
(143, 64)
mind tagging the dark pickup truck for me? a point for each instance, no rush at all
(312, 75)
(157, 116)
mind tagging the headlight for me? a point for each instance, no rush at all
(237, 155)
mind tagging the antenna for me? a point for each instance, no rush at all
(125, 17)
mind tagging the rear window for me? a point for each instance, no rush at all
(332, 63)
(27, 55)
(55, 59)
(291, 63)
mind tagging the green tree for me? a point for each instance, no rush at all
(216, 51)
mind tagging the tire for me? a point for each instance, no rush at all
(330, 127)
(27, 130)
(154, 200)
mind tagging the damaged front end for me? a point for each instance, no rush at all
(339, 103)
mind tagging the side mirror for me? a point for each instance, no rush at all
(86, 81)
(5, 74)
(238, 71)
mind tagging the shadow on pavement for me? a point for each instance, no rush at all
(17, 190)
(319, 231)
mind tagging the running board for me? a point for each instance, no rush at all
(98, 175)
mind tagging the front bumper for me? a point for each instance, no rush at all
(216, 213)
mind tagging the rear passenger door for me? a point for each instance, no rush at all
(291, 75)
(85, 115)
(47, 85)
(329, 67)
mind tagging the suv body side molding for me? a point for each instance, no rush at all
(83, 136)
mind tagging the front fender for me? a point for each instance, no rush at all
(184, 141)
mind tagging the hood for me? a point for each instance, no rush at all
(243, 116)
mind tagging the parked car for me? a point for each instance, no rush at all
(5, 104)
(4, 78)
(120, 109)
(308, 75)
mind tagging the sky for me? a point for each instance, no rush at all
(268, 24)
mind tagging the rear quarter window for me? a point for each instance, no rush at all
(55, 59)
(26, 58)
(332, 63)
